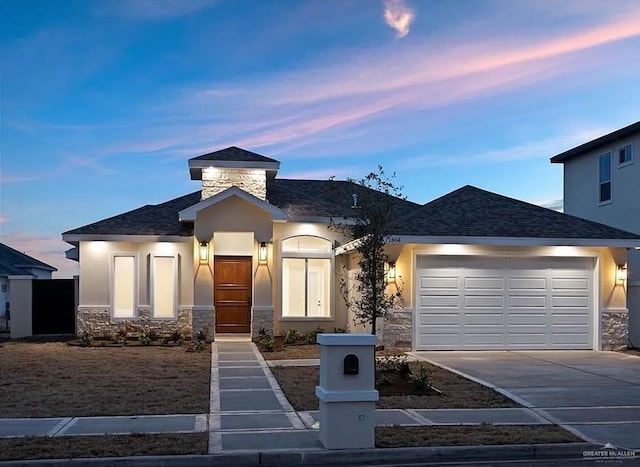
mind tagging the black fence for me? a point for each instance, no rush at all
(53, 306)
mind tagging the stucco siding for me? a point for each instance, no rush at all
(95, 270)
(282, 231)
(581, 188)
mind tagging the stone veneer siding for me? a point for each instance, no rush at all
(216, 180)
(99, 322)
(203, 319)
(614, 330)
(397, 329)
(261, 319)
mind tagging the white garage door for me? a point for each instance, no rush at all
(497, 303)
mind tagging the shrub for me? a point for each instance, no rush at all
(202, 335)
(120, 336)
(147, 335)
(266, 342)
(393, 364)
(422, 379)
(86, 338)
(176, 337)
(310, 337)
(291, 336)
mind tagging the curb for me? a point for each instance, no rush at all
(426, 455)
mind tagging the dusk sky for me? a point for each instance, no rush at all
(104, 101)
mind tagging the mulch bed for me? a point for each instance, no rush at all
(298, 384)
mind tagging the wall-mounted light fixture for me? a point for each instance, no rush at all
(390, 269)
(621, 273)
(204, 253)
(263, 253)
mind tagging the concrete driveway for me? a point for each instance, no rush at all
(595, 394)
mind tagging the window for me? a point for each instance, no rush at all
(605, 178)
(625, 155)
(4, 288)
(123, 286)
(306, 277)
(164, 286)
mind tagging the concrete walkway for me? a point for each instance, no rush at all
(596, 395)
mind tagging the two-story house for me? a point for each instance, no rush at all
(602, 183)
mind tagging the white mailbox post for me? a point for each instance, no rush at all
(347, 391)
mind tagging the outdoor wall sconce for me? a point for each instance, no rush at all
(262, 253)
(621, 273)
(391, 271)
(204, 252)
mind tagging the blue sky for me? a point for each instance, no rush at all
(104, 101)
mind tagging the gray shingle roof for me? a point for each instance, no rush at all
(13, 262)
(472, 212)
(298, 198)
(596, 143)
(235, 154)
(152, 219)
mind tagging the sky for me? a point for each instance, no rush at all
(104, 101)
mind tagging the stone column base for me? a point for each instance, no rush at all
(397, 329)
(614, 329)
(261, 319)
(203, 319)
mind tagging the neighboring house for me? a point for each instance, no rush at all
(16, 264)
(251, 251)
(602, 183)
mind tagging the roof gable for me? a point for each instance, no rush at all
(231, 158)
(472, 212)
(189, 214)
(13, 262)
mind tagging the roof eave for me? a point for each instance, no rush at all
(196, 166)
(518, 241)
(596, 143)
(74, 239)
(499, 241)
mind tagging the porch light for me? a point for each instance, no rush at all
(621, 273)
(204, 252)
(262, 253)
(391, 271)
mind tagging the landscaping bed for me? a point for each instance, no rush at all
(299, 382)
(53, 379)
(103, 446)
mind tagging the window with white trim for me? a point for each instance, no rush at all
(306, 277)
(124, 285)
(625, 155)
(164, 286)
(605, 178)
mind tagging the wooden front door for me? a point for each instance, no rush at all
(232, 293)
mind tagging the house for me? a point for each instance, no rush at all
(250, 251)
(14, 264)
(601, 180)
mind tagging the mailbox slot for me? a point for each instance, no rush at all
(351, 365)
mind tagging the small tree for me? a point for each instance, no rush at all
(370, 225)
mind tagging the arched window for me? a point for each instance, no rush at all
(306, 277)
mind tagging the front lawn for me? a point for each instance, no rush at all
(53, 379)
(103, 446)
(409, 436)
